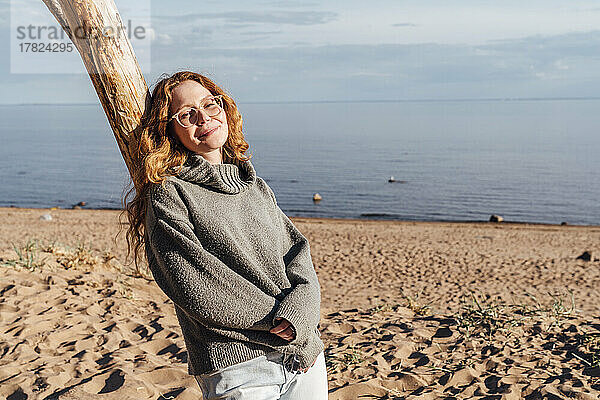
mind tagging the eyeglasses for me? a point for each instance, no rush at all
(188, 116)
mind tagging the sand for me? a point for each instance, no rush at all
(410, 310)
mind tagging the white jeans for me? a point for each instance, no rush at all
(265, 378)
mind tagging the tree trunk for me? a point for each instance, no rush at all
(111, 65)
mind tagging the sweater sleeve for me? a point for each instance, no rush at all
(194, 279)
(302, 305)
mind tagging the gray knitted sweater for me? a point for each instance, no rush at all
(232, 262)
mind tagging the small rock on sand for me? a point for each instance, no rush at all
(496, 218)
(585, 256)
(46, 217)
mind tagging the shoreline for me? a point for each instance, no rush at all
(350, 220)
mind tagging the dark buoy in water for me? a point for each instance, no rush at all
(393, 180)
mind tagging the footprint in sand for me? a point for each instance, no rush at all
(341, 329)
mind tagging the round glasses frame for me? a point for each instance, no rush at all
(218, 99)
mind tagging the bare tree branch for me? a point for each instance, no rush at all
(111, 64)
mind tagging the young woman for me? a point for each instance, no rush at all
(239, 273)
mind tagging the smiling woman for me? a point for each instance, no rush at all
(202, 129)
(205, 220)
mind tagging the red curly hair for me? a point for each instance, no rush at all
(159, 151)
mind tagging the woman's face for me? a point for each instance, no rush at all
(191, 94)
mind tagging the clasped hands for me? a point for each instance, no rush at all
(285, 330)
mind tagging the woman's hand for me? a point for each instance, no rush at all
(284, 329)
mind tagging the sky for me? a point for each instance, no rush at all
(273, 51)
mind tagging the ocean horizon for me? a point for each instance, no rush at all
(528, 160)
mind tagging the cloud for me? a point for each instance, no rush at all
(197, 32)
(368, 74)
(257, 17)
(404, 24)
(560, 65)
(164, 38)
(536, 66)
(260, 33)
(291, 4)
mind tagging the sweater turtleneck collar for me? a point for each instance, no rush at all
(226, 178)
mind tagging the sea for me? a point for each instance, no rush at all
(527, 160)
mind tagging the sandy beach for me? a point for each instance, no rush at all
(410, 310)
